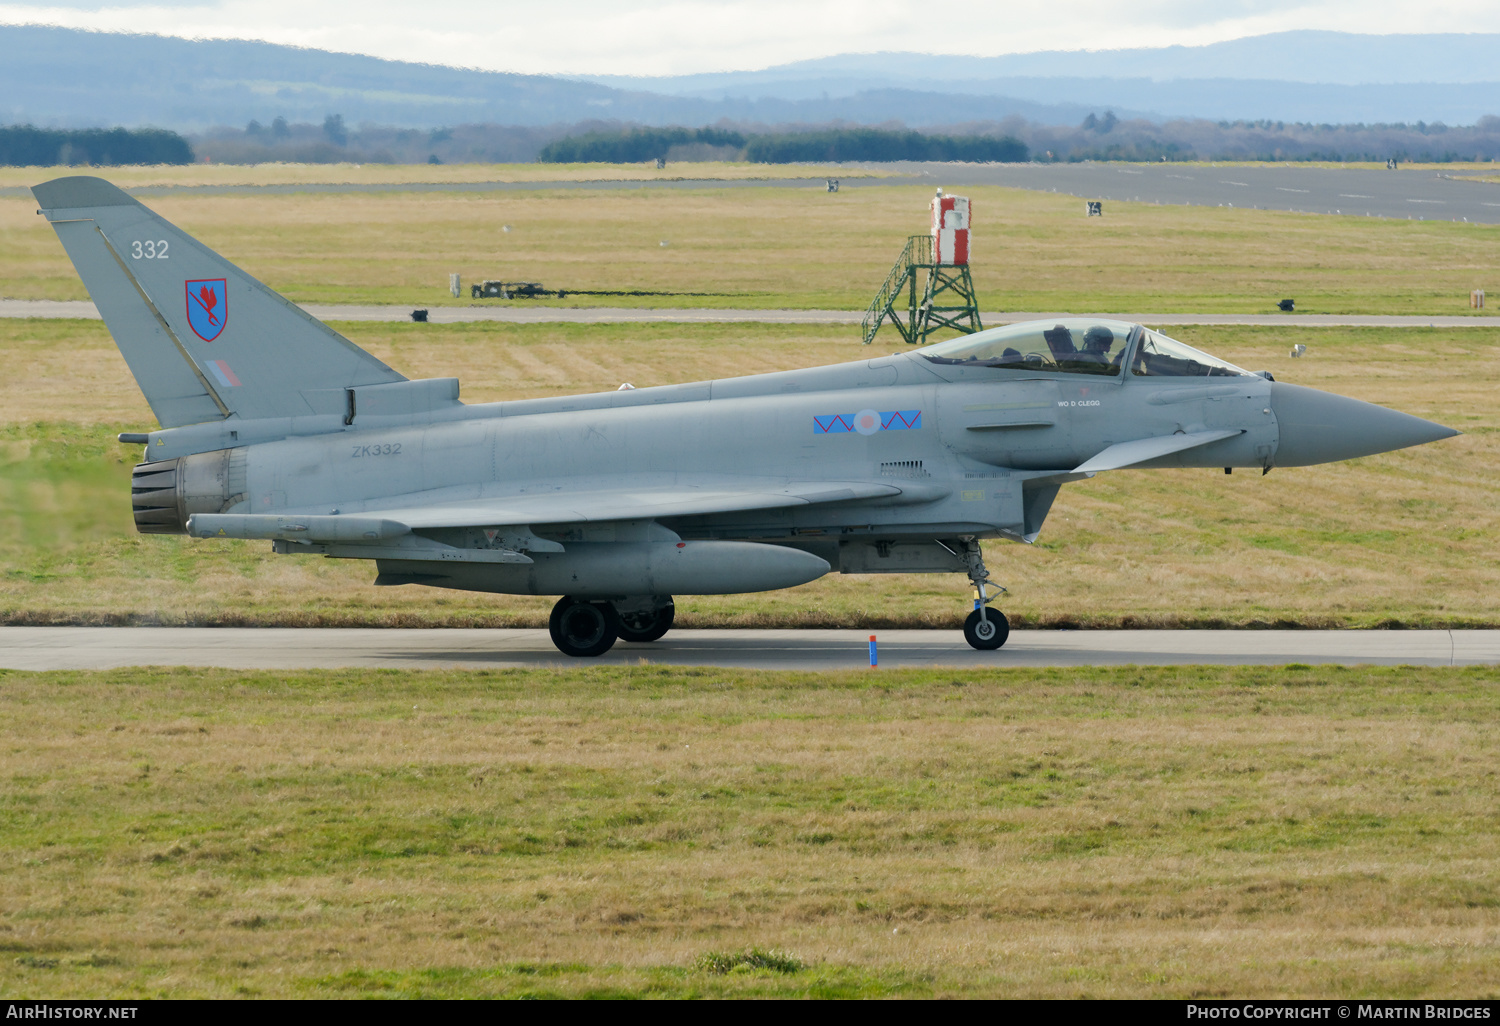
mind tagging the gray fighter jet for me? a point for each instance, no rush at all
(273, 426)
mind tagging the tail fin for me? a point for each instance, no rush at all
(204, 340)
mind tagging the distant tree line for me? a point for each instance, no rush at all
(1105, 137)
(632, 146)
(836, 144)
(1098, 137)
(28, 146)
(842, 144)
(335, 141)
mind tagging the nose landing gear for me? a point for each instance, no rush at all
(985, 628)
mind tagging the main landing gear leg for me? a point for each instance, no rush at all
(985, 628)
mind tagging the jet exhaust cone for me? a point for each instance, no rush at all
(1320, 427)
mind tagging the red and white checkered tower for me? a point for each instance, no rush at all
(950, 229)
(936, 267)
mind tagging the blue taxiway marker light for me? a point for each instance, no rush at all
(873, 660)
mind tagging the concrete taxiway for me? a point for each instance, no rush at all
(523, 312)
(94, 648)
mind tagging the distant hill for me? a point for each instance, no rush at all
(56, 77)
(1326, 58)
(1318, 77)
(68, 78)
(64, 78)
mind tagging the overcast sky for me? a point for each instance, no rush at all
(665, 37)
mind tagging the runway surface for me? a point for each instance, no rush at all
(1404, 194)
(1400, 195)
(520, 312)
(93, 648)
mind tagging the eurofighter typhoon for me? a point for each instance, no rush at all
(275, 427)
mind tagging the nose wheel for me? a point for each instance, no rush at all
(986, 629)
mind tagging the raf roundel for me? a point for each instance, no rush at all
(867, 422)
(207, 306)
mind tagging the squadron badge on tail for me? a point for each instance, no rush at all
(207, 306)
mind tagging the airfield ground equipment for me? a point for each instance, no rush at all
(1476, 299)
(939, 263)
(536, 290)
(512, 290)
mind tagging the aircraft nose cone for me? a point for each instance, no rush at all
(1320, 427)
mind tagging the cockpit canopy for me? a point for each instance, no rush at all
(1080, 345)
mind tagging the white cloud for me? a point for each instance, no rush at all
(659, 37)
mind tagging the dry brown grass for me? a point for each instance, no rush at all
(405, 174)
(411, 174)
(801, 248)
(71, 371)
(1122, 833)
(1407, 536)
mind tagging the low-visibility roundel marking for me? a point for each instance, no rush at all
(866, 422)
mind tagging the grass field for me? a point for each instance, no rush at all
(800, 248)
(168, 175)
(1407, 537)
(636, 831)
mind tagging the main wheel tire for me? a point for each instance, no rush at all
(987, 633)
(643, 627)
(583, 628)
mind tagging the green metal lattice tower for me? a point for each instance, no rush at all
(947, 296)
